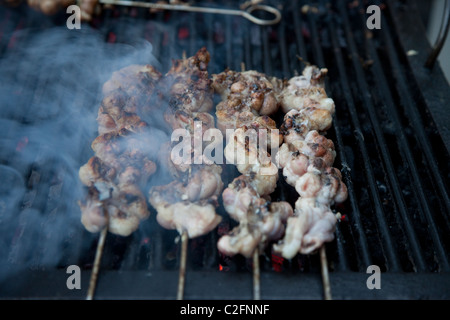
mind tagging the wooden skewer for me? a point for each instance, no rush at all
(325, 276)
(256, 270)
(256, 276)
(182, 274)
(96, 268)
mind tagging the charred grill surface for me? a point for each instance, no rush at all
(389, 146)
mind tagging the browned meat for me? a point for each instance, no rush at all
(306, 158)
(308, 230)
(87, 8)
(189, 83)
(188, 204)
(297, 124)
(305, 91)
(251, 160)
(252, 89)
(49, 7)
(247, 100)
(121, 207)
(260, 224)
(93, 215)
(122, 165)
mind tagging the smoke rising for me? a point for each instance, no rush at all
(50, 92)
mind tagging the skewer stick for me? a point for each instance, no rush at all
(256, 282)
(325, 277)
(96, 268)
(256, 270)
(182, 274)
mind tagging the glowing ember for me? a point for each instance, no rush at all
(23, 142)
(277, 262)
(112, 37)
(183, 33)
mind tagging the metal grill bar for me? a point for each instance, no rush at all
(286, 73)
(391, 174)
(298, 31)
(405, 152)
(411, 108)
(378, 208)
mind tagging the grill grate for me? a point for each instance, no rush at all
(391, 153)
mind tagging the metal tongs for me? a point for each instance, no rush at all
(247, 13)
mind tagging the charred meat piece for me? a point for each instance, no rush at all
(129, 98)
(189, 83)
(262, 223)
(188, 204)
(253, 89)
(308, 229)
(177, 212)
(87, 8)
(49, 7)
(297, 124)
(248, 98)
(306, 158)
(122, 164)
(250, 158)
(306, 90)
(120, 207)
(124, 150)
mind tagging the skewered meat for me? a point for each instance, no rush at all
(177, 211)
(261, 223)
(307, 158)
(253, 89)
(129, 95)
(120, 206)
(87, 8)
(204, 182)
(93, 217)
(124, 150)
(306, 90)
(246, 96)
(308, 230)
(49, 7)
(298, 123)
(135, 80)
(188, 204)
(315, 154)
(189, 83)
(122, 164)
(247, 100)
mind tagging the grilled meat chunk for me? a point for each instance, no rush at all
(253, 89)
(188, 204)
(264, 222)
(305, 91)
(49, 7)
(177, 212)
(306, 158)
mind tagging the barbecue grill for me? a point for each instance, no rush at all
(390, 131)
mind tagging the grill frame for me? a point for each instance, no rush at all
(346, 272)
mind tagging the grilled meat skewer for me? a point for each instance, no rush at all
(248, 98)
(188, 204)
(306, 158)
